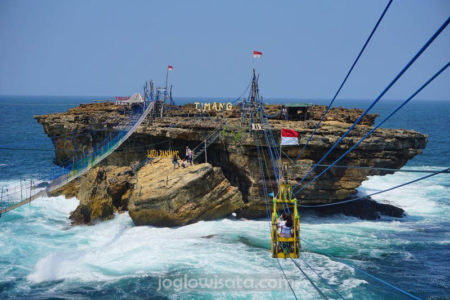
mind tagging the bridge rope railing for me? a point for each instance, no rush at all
(77, 167)
(73, 161)
(342, 84)
(83, 165)
(375, 127)
(385, 90)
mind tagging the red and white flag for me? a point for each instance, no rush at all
(289, 137)
(257, 54)
(122, 98)
(170, 68)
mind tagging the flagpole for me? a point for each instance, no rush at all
(281, 144)
(253, 62)
(167, 78)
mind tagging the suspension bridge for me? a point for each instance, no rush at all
(82, 166)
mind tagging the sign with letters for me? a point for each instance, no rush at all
(161, 153)
(216, 106)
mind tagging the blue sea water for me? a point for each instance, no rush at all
(42, 256)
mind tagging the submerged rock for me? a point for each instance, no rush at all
(366, 209)
(170, 197)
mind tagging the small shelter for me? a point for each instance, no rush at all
(295, 111)
(135, 98)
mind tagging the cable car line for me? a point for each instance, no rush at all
(343, 83)
(379, 192)
(405, 68)
(374, 128)
(322, 279)
(362, 271)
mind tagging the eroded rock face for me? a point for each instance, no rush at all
(102, 192)
(233, 157)
(165, 196)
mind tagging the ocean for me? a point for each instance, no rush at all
(43, 257)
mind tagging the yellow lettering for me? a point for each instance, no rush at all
(220, 106)
(152, 153)
(229, 106)
(207, 105)
(214, 106)
(196, 105)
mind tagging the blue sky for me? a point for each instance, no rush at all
(111, 47)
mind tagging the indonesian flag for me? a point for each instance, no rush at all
(122, 98)
(289, 137)
(170, 68)
(257, 54)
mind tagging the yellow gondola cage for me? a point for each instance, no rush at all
(285, 247)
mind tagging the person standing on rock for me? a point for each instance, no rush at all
(284, 113)
(189, 155)
(175, 161)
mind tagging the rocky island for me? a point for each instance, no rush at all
(229, 181)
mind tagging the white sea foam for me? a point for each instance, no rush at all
(420, 198)
(117, 249)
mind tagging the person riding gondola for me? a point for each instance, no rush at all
(285, 224)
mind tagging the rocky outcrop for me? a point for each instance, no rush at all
(102, 192)
(366, 209)
(165, 196)
(232, 156)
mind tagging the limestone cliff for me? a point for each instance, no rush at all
(165, 196)
(233, 154)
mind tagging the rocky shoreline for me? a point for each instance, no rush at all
(229, 182)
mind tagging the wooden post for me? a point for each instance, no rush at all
(206, 155)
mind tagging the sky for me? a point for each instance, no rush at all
(110, 47)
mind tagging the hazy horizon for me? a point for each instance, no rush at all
(223, 97)
(100, 47)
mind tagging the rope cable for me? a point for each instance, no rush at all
(377, 126)
(281, 268)
(379, 192)
(405, 68)
(342, 84)
(267, 206)
(362, 271)
(321, 278)
(310, 280)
